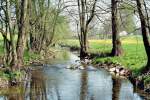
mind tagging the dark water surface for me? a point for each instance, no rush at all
(55, 82)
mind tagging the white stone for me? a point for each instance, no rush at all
(112, 69)
(117, 70)
(122, 72)
(68, 67)
(81, 67)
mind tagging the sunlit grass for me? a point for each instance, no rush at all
(124, 40)
(134, 56)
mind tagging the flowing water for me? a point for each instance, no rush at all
(54, 82)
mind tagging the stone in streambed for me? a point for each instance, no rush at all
(81, 67)
(70, 66)
(112, 69)
(122, 72)
(117, 69)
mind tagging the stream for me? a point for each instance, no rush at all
(54, 82)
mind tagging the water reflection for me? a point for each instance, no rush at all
(116, 88)
(54, 82)
(15, 97)
(84, 85)
(38, 86)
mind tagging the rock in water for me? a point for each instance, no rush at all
(68, 67)
(81, 67)
(112, 69)
(122, 72)
(117, 70)
(87, 61)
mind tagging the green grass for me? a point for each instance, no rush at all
(134, 57)
(29, 56)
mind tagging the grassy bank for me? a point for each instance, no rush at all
(134, 57)
(6, 74)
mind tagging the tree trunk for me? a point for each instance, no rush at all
(144, 30)
(148, 62)
(83, 51)
(84, 46)
(84, 19)
(12, 52)
(22, 34)
(117, 48)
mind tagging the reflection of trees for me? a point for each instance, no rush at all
(57, 93)
(16, 93)
(15, 97)
(116, 88)
(38, 87)
(84, 85)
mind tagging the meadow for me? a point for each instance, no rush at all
(134, 56)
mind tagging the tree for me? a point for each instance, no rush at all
(44, 23)
(144, 30)
(21, 32)
(117, 48)
(126, 18)
(8, 33)
(85, 17)
(14, 18)
(33, 22)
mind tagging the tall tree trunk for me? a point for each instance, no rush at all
(85, 19)
(22, 33)
(83, 45)
(144, 30)
(12, 52)
(83, 49)
(117, 48)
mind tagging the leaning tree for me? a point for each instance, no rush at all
(142, 10)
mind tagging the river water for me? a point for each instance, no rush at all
(54, 82)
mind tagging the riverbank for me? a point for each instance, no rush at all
(133, 59)
(52, 81)
(9, 78)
